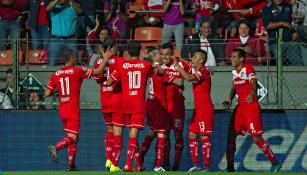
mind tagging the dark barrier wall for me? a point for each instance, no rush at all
(25, 135)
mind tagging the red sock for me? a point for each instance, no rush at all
(178, 152)
(116, 149)
(108, 142)
(167, 150)
(160, 145)
(132, 144)
(137, 155)
(64, 143)
(264, 146)
(72, 150)
(194, 150)
(206, 149)
(145, 147)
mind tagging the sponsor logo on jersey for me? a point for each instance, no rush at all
(128, 65)
(59, 72)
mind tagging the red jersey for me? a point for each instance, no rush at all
(153, 5)
(67, 82)
(157, 89)
(110, 96)
(204, 9)
(133, 75)
(202, 88)
(242, 83)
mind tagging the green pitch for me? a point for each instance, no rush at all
(146, 173)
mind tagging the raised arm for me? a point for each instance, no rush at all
(106, 56)
(76, 7)
(51, 5)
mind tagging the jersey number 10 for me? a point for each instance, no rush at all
(134, 79)
(65, 86)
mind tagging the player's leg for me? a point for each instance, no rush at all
(146, 145)
(117, 147)
(206, 150)
(231, 144)
(193, 144)
(265, 147)
(72, 152)
(160, 146)
(166, 160)
(108, 139)
(179, 145)
(131, 148)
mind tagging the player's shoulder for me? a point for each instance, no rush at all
(98, 61)
(248, 67)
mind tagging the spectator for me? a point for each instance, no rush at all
(173, 9)
(299, 23)
(251, 44)
(5, 102)
(248, 9)
(64, 19)
(35, 96)
(204, 10)
(278, 15)
(10, 19)
(207, 41)
(117, 17)
(151, 19)
(38, 22)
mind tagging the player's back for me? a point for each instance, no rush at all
(133, 74)
(242, 82)
(68, 81)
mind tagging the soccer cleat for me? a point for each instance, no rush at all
(54, 153)
(128, 168)
(276, 167)
(114, 168)
(159, 169)
(175, 168)
(196, 168)
(141, 168)
(230, 169)
(166, 166)
(73, 169)
(108, 164)
(205, 169)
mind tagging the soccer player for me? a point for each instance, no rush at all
(133, 74)
(157, 116)
(175, 104)
(202, 119)
(247, 115)
(110, 96)
(67, 81)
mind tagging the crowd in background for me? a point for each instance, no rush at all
(219, 25)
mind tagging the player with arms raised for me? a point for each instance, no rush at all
(202, 119)
(110, 97)
(247, 115)
(67, 81)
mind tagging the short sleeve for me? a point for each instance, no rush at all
(202, 74)
(51, 84)
(251, 74)
(85, 72)
(115, 75)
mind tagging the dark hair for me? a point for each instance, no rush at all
(150, 49)
(244, 21)
(240, 52)
(202, 52)
(99, 29)
(66, 55)
(9, 71)
(134, 48)
(108, 43)
(205, 21)
(167, 45)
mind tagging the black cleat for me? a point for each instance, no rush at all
(54, 153)
(230, 169)
(73, 169)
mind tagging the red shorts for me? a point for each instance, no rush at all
(177, 116)
(202, 122)
(109, 117)
(131, 120)
(157, 117)
(248, 119)
(71, 122)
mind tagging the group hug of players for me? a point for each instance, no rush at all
(123, 83)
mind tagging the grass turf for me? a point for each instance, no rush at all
(146, 173)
